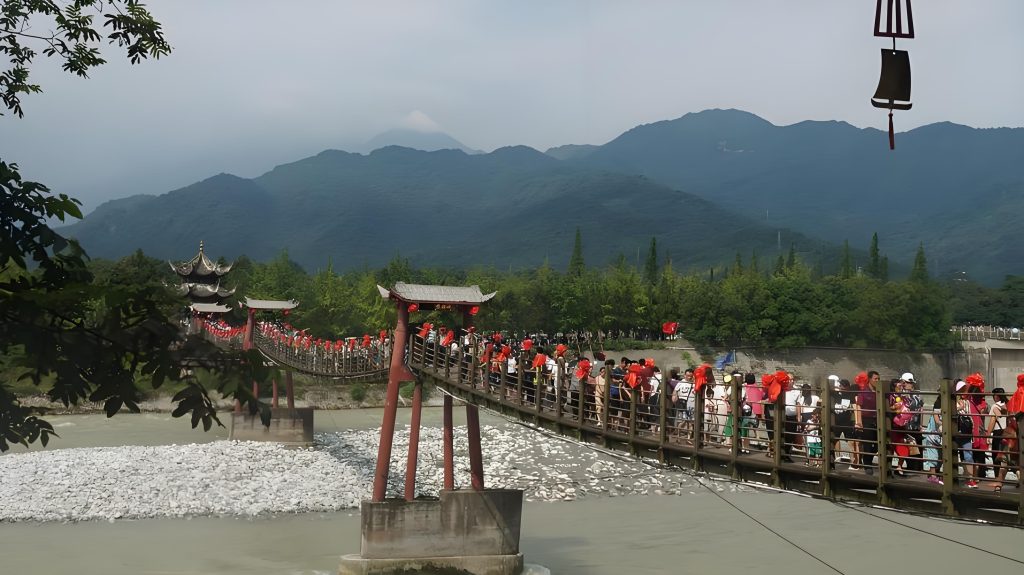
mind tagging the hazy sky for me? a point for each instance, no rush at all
(252, 83)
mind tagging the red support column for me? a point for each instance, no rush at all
(387, 426)
(449, 448)
(273, 397)
(289, 389)
(414, 443)
(250, 324)
(476, 461)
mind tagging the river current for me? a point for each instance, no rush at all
(706, 527)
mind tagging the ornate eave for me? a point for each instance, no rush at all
(210, 308)
(435, 294)
(199, 266)
(199, 291)
(269, 304)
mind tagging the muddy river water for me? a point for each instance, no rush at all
(700, 530)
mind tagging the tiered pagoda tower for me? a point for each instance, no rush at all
(200, 282)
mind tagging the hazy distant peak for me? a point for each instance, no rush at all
(521, 154)
(417, 140)
(571, 151)
(943, 127)
(333, 153)
(720, 114)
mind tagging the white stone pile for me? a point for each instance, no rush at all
(250, 478)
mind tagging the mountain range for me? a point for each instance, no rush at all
(706, 185)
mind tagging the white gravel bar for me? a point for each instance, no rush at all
(235, 478)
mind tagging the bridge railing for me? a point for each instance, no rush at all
(900, 452)
(983, 332)
(360, 363)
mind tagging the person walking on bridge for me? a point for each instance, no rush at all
(865, 416)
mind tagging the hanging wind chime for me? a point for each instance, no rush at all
(894, 84)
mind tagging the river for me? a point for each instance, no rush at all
(702, 530)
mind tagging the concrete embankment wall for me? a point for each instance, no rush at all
(814, 365)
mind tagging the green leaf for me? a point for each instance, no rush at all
(112, 406)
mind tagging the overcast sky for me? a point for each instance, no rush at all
(252, 83)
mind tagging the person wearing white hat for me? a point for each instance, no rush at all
(964, 432)
(912, 431)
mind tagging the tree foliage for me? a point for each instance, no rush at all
(790, 307)
(81, 333)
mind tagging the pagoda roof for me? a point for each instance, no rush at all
(198, 290)
(200, 266)
(435, 294)
(210, 308)
(270, 304)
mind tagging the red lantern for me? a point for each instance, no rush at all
(286, 312)
(474, 310)
(425, 330)
(413, 307)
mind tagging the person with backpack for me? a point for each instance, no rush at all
(931, 442)
(995, 427)
(964, 435)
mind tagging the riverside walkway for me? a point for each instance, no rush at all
(655, 430)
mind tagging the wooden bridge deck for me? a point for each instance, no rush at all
(647, 435)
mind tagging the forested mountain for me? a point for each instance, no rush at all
(706, 185)
(954, 188)
(512, 207)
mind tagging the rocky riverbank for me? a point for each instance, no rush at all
(251, 479)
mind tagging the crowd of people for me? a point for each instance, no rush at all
(757, 413)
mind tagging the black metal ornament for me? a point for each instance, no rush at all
(893, 90)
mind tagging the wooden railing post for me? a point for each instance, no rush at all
(698, 429)
(827, 462)
(502, 380)
(606, 383)
(1020, 467)
(461, 362)
(436, 358)
(473, 363)
(779, 425)
(557, 383)
(448, 363)
(581, 392)
(633, 395)
(664, 396)
(734, 411)
(538, 388)
(519, 378)
(882, 448)
(947, 405)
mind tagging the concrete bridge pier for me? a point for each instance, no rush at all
(464, 532)
(468, 531)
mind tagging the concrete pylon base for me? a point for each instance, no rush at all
(463, 532)
(292, 427)
(461, 565)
